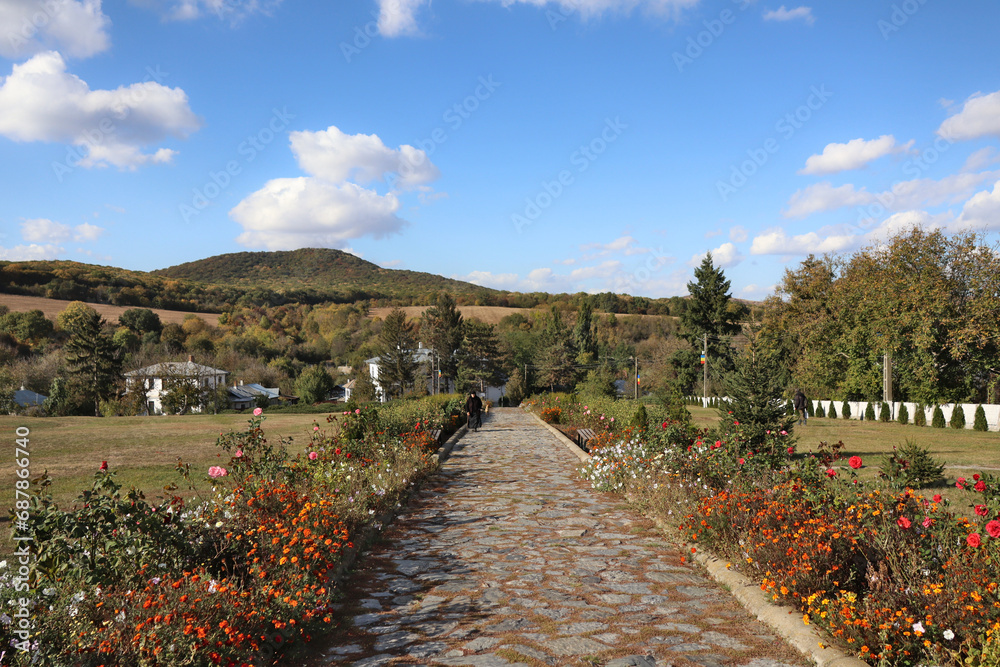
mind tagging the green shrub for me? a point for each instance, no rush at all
(809, 409)
(904, 415)
(833, 410)
(640, 420)
(910, 465)
(820, 412)
(884, 412)
(920, 415)
(846, 414)
(957, 417)
(870, 412)
(937, 421)
(789, 408)
(980, 421)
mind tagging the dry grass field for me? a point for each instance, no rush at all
(52, 307)
(487, 314)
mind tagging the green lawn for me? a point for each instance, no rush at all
(143, 450)
(963, 452)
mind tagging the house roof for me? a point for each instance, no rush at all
(252, 390)
(420, 355)
(26, 398)
(174, 368)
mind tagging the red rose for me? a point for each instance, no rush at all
(980, 486)
(854, 462)
(791, 450)
(831, 473)
(741, 461)
(960, 483)
(976, 477)
(937, 497)
(974, 540)
(104, 465)
(993, 528)
(903, 522)
(981, 510)
(664, 424)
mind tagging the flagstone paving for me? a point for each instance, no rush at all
(507, 557)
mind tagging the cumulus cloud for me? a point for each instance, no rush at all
(982, 211)
(290, 213)
(981, 159)
(334, 156)
(738, 234)
(626, 245)
(399, 17)
(45, 231)
(77, 28)
(725, 256)
(979, 117)
(855, 154)
(41, 101)
(824, 197)
(777, 242)
(23, 253)
(188, 10)
(797, 13)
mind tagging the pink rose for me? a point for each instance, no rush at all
(357, 411)
(974, 540)
(993, 528)
(903, 522)
(217, 471)
(315, 428)
(239, 453)
(312, 456)
(927, 522)
(257, 412)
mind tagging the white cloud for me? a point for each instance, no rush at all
(489, 279)
(289, 213)
(824, 197)
(981, 159)
(738, 234)
(603, 270)
(77, 28)
(982, 211)
(399, 17)
(43, 230)
(188, 10)
(855, 154)
(712, 233)
(627, 245)
(325, 209)
(337, 157)
(783, 14)
(979, 117)
(928, 192)
(23, 253)
(725, 256)
(777, 242)
(40, 101)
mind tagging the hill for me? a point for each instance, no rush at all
(52, 307)
(318, 270)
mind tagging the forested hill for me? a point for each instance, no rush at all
(321, 270)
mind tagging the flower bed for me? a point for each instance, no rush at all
(233, 579)
(898, 578)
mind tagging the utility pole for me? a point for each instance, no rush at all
(704, 367)
(637, 378)
(887, 378)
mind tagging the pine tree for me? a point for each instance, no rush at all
(904, 415)
(92, 359)
(937, 421)
(846, 413)
(820, 412)
(980, 420)
(583, 333)
(755, 393)
(884, 413)
(516, 389)
(810, 410)
(833, 410)
(396, 368)
(480, 359)
(957, 420)
(920, 415)
(443, 323)
(870, 412)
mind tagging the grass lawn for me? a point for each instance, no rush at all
(143, 450)
(963, 452)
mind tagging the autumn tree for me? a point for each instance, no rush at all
(397, 368)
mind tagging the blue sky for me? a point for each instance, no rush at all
(578, 145)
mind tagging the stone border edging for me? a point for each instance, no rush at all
(786, 621)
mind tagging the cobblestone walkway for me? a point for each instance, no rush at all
(507, 557)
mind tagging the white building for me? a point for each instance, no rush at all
(423, 357)
(154, 378)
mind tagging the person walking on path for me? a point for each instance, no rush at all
(799, 402)
(473, 406)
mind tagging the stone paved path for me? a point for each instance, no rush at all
(507, 557)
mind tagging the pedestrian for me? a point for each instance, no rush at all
(799, 402)
(473, 406)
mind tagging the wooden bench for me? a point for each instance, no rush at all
(583, 435)
(436, 434)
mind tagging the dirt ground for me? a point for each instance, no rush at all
(52, 307)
